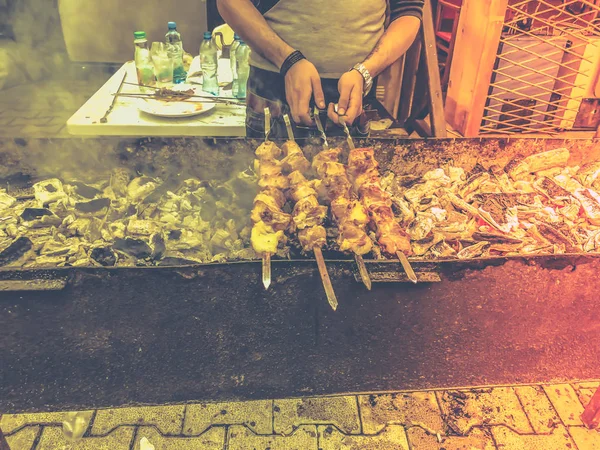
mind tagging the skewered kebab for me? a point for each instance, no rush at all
(347, 212)
(308, 215)
(269, 221)
(363, 171)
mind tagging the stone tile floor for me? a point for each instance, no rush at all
(41, 110)
(537, 417)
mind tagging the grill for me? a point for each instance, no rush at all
(162, 328)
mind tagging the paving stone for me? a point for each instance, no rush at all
(40, 131)
(256, 415)
(559, 439)
(23, 439)
(587, 385)
(477, 439)
(213, 439)
(585, 396)
(119, 439)
(585, 438)
(538, 408)
(168, 419)
(415, 408)
(339, 411)
(242, 438)
(37, 121)
(9, 423)
(566, 403)
(482, 407)
(393, 437)
(6, 120)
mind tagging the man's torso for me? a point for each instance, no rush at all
(333, 34)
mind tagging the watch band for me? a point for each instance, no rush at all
(360, 68)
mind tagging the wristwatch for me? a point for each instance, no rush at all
(360, 68)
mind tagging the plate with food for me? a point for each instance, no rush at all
(178, 101)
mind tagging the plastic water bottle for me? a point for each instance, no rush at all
(173, 40)
(209, 64)
(143, 61)
(242, 60)
(234, 47)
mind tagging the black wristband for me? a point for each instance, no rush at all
(290, 61)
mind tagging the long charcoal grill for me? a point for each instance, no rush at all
(97, 337)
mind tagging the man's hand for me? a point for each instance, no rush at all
(302, 82)
(350, 104)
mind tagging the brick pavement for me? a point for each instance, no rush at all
(537, 417)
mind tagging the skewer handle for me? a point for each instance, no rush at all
(267, 123)
(288, 126)
(362, 270)
(320, 128)
(410, 273)
(266, 270)
(347, 132)
(331, 298)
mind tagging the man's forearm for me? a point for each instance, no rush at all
(393, 44)
(249, 23)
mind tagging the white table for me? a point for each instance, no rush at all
(127, 120)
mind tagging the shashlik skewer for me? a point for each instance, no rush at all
(347, 212)
(268, 219)
(360, 263)
(307, 214)
(363, 170)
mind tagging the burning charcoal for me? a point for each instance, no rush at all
(589, 173)
(6, 201)
(30, 214)
(85, 190)
(555, 236)
(175, 234)
(442, 250)
(119, 180)
(551, 189)
(421, 247)
(158, 246)
(473, 251)
(143, 227)
(495, 238)
(134, 247)
(517, 169)
(546, 160)
(49, 191)
(590, 201)
(92, 206)
(456, 174)
(420, 227)
(15, 250)
(104, 256)
(477, 169)
(141, 187)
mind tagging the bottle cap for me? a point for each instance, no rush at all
(172, 26)
(236, 37)
(139, 35)
(207, 35)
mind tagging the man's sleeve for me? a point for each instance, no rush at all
(401, 8)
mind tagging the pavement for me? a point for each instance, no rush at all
(531, 417)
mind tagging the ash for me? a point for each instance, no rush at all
(127, 220)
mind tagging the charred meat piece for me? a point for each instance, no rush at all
(267, 150)
(312, 237)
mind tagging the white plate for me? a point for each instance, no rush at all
(188, 108)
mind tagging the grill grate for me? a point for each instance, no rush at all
(545, 66)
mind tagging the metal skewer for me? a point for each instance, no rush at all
(266, 257)
(104, 118)
(360, 262)
(331, 298)
(329, 292)
(320, 128)
(410, 273)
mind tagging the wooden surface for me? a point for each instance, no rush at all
(127, 120)
(478, 34)
(436, 102)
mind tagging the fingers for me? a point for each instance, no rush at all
(355, 105)
(344, 101)
(317, 89)
(333, 116)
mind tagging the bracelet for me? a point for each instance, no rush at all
(292, 59)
